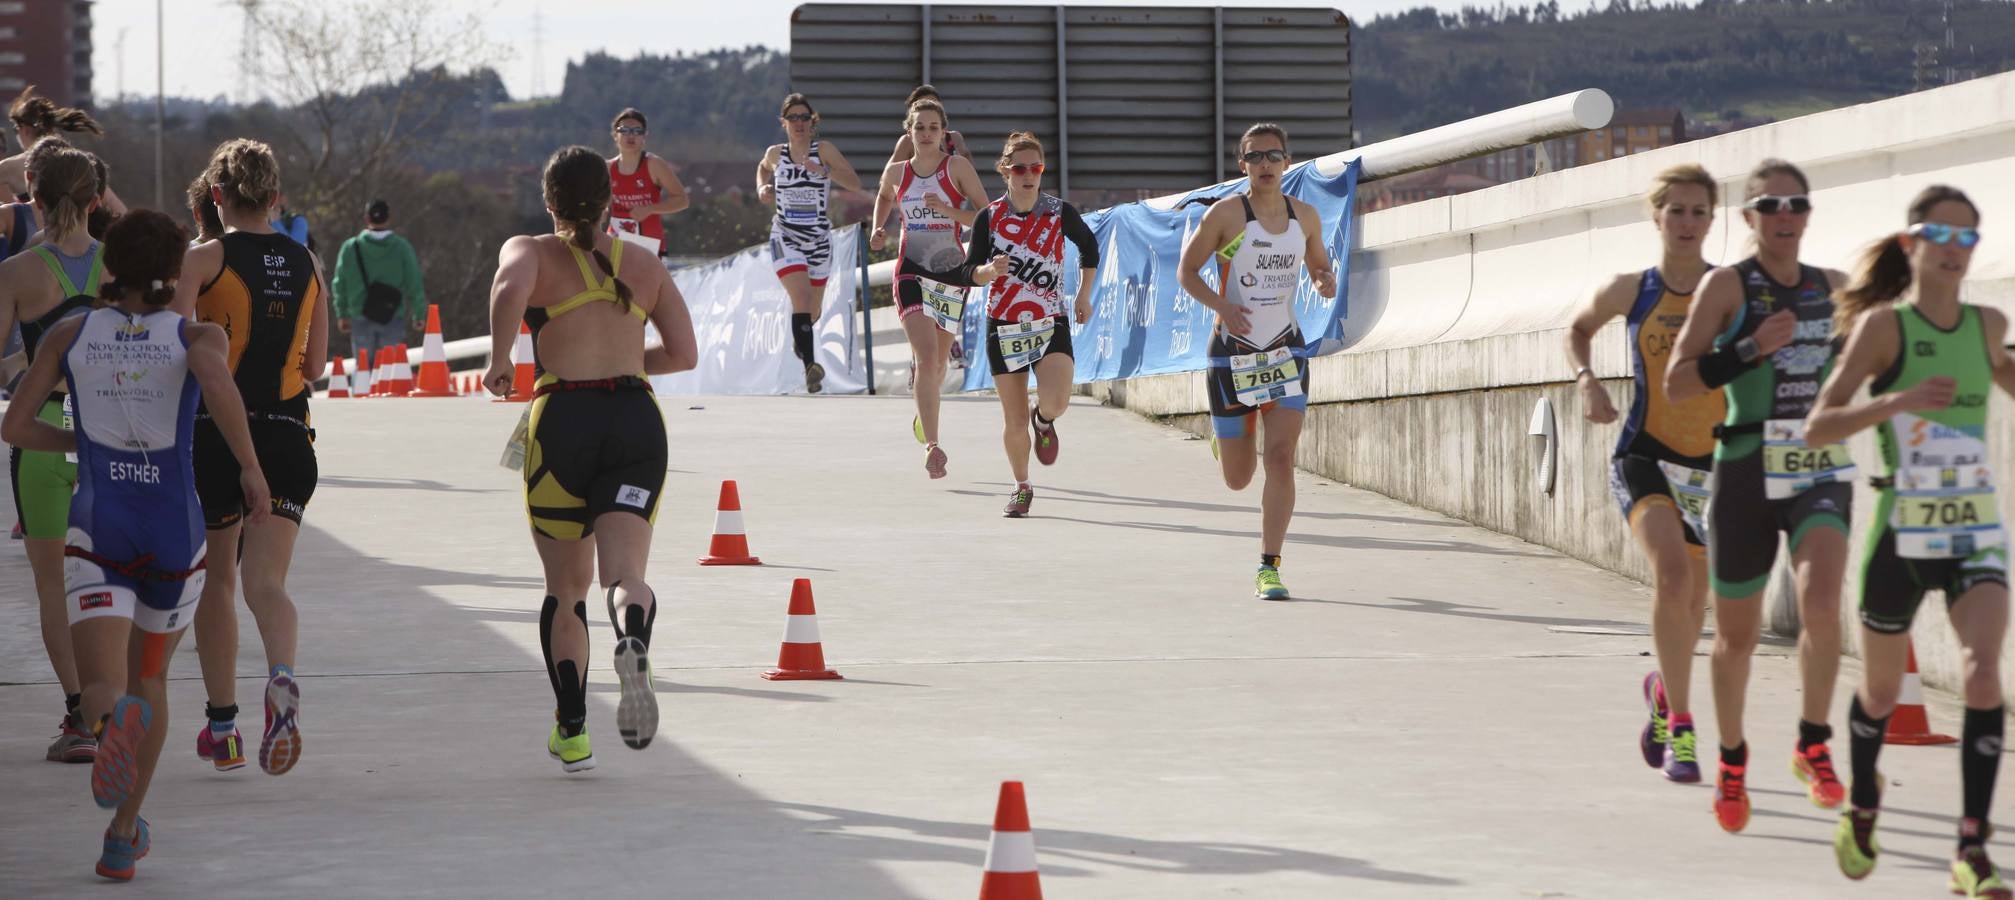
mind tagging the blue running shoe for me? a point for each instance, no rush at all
(116, 862)
(117, 764)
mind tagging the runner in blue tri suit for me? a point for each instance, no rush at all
(135, 549)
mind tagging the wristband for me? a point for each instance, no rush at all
(1729, 363)
(1584, 370)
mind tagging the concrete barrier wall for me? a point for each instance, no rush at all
(1459, 308)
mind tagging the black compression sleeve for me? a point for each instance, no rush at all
(1081, 237)
(1726, 364)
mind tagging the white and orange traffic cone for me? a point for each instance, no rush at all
(432, 380)
(339, 381)
(381, 372)
(802, 657)
(402, 373)
(524, 375)
(1010, 867)
(1909, 724)
(730, 545)
(360, 375)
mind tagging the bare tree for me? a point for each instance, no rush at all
(357, 74)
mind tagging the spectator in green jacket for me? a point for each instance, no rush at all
(379, 294)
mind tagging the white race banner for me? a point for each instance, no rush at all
(742, 321)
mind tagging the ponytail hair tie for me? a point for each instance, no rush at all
(156, 284)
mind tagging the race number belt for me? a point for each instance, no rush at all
(1689, 492)
(629, 230)
(69, 424)
(1790, 468)
(1945, 512)
(946, 305)
(1261, 378)
(1023, 344)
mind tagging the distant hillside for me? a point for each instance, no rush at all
(1720, 59)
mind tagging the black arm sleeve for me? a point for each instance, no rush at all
(978, 253)
(1080, 236)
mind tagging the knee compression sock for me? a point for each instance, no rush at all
(801, 335)
(1979, 765)
(570, 686)
(1864, 744)
(1809, 734)
(222, 718)
(71, 703)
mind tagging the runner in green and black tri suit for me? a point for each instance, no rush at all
(1763, 328)
(1931, 362)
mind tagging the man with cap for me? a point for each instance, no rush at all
(379, 293)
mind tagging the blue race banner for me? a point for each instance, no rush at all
(1143, 322)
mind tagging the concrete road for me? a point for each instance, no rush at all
(1442, 712)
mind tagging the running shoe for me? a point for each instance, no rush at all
(1854, 843)
(1018, 502)
(72, 744)
(116, 862)
(280, 749)
(1814, 767)
(637, 711)
(815, 376)
(117, 762)
(1651, 742)
(1046, 445)
(1266, 584)
(917, 428)
(1682, 756)
(1213, 446)
(1731, 799)
(17, 531)
(572, 752)
(226, 752)
(958, 355)
(934, 461)
(1975, 877)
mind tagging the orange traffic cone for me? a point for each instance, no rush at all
(1909, 724)
(339, 382)
(522, 378)
(360, 377)
(1010, 868)
(402, 373)
(378, 380)
(433, 376)
(730, 546)
(802, 657)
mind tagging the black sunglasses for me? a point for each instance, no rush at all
(799, 117)
(629, 129)
(1253, 156)
(1770, 205)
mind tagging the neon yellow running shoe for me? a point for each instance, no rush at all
(1266, 584)
(1974, 877)
(917, 429)
(572, 752)
(1854, 843)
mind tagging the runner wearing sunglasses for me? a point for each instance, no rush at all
(1258, 372)
(1664, 454)
(1931, 362)
(1763, 329)
(931, 190)
(646, 188)
(1017, 249)
(797, 177)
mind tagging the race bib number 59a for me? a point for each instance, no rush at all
(945, 304)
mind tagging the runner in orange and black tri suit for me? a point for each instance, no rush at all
(1665, 453)
(265, 290)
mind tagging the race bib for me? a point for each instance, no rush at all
(1790, 468)
(1261, 378)
(1945, 512)
(514, 449)
(1021, 345)
(629, 230)
(800, 204)
(69, 424)
(1689, 492)
(946, 305)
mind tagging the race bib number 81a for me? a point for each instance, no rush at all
(1261, 378)
(1021, 345)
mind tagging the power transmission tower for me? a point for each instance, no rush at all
(248, 49)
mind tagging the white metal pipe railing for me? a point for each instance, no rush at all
(1515, 127)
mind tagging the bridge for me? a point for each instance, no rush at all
(1448, 709)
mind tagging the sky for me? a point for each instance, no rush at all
(571, 29)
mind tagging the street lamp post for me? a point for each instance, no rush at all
(160, 107)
